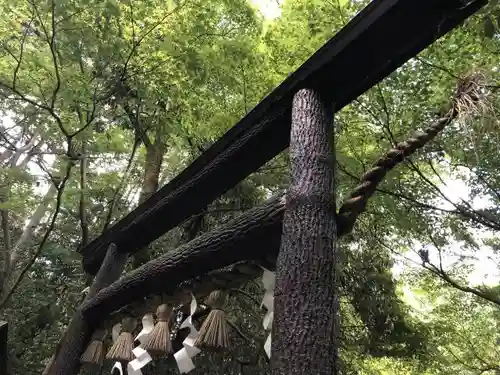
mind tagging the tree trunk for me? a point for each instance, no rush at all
(152, 169)
(32, 225)
(67, 356)
(305, 306)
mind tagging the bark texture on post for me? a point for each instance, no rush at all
(67, 357)
(209, 252)
(305, 304)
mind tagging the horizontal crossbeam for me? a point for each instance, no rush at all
(251, 236)
(377, 41)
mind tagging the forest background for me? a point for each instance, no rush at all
(103, 102)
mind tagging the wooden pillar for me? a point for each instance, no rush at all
(304, 339)
(4, 354)
(67, 357)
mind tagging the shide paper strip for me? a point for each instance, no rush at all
(268, 281)
(142, 357)
(184, 361)
(141, 360)
(267, 346)
(183, 356)
(117, 366)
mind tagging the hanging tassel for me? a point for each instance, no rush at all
(159, 342)
(214, 333)
(94, 354)
(122, 348)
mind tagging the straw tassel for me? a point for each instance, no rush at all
(122, 348)
(159, 342)
(214, 333)
(94, 354)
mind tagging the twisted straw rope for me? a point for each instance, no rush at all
(466, 98)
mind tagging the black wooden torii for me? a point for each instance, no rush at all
(382, 37)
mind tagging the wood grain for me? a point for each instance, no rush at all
(377, 41)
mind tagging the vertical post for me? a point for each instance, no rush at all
(4, 354)
(67, 357)
(304, 338)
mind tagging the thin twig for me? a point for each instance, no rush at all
(83, 204)
(111, 208)
(136, 45)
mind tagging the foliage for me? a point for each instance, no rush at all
(87, 88)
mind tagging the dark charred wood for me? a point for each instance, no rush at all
(4, 353)
(67, 355)
(377, 41)
(240, 239)
(304, 339)
(225, 279)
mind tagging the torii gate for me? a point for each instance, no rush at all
(381, 38)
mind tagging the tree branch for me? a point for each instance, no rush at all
(51, 41)
(125, 174)
(32, 225)
(488, 296)
(52, 45)
(398, 194)
(84, 225)
(139, 132)
(467, 212)
(60, 190)
(136, 45)
(20, 59)
(4, 271)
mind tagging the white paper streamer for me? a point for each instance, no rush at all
(268, 300)
(117, 366)
(183, 356)
(268, 320)
(141, 360)
(147, 326)
(184, 361)
(267, 346)
(142, 357)
(268, 281)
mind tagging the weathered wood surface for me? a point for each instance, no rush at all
(67, 356)
(250, 229)
(4, 353)
(377, 41)
(304, 339)
(248, 237)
